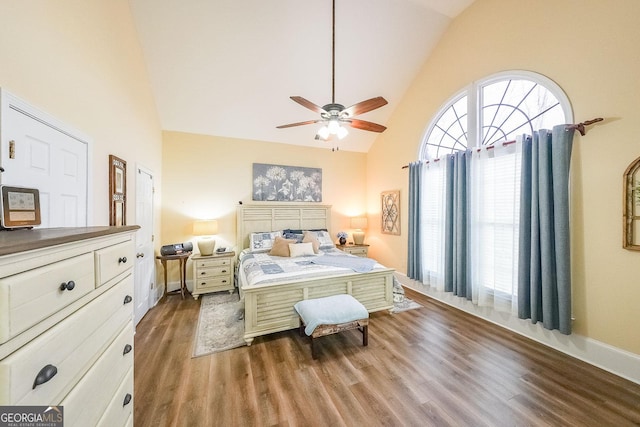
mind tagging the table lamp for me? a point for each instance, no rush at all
(206, 229)
(358, 223)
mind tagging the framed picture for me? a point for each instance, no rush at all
(276, 183)
(631, 207)
(390, 210)
(117, 191)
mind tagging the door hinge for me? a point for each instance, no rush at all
(12, 149)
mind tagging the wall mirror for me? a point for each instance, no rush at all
(631, 208)
(117, 191)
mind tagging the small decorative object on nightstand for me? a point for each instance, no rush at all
(206, 229)
(342, 237)
(212, 273)
(358, 250)
(359, 224)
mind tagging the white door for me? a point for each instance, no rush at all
(40, 152)
(145, 264)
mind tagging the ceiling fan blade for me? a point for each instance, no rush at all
(290, 125)
(308, 104)
(365, 106)
(365, 125)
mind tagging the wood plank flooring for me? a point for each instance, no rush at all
(434, 366)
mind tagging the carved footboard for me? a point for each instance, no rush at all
(269, 308)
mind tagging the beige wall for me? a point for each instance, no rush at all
(206, 176)
(80, 61)
(590, 48)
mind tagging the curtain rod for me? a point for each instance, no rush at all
(580, 127)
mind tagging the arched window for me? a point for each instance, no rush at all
(496, 109)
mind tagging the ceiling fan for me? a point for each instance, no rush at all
(334, 114)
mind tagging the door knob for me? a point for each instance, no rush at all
(140, 255)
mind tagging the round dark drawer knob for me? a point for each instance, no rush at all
(127, 400)
(68, 286)
(127, 299)
(45, 375)
(122, 260)
(127, 349)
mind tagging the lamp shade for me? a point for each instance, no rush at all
(205, 228)
(359, 223)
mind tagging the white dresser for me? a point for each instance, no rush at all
(66, 322)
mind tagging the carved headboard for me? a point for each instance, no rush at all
(259, 217)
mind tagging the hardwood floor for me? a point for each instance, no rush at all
(434, 366)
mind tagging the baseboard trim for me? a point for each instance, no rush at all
(604, 356)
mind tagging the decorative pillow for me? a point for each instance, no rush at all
(281, 247)
(324, 238)
(262, 242)
(310, 237)
(300, 249)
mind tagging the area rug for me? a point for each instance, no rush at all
(406, 304)
(221, 322)
(220, 325)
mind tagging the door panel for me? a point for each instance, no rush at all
(144, 291)
(37, 152)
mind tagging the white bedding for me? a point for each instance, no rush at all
(261, 268)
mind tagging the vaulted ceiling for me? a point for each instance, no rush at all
(228, 67)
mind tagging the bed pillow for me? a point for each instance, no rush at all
(297, 236)
(262, 242)
(324, 238)
(281, 246)
(310, 237)
(300, 249)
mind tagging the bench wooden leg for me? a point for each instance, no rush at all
(365, 335)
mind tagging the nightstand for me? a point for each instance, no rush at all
(358, 250)
(212, 273)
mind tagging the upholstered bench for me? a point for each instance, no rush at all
(330, 315)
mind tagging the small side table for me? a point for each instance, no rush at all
(212, 273)
(183, 270)
(353, 249)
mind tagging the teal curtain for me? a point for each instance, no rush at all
(457, 275)
(544, 269)
(414, 258)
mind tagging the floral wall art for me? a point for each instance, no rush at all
(275, 183)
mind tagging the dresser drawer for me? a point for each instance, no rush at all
(71, 347)
(358, 251)
(114, 260)
(213, 271)
(121, 406)
(29, 297)
(212, 283)
(89, 399)
(213, 262)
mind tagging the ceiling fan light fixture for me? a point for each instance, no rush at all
(342, 132)
(333, 126)
(324, 132)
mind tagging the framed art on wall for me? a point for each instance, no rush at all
(117, 191)
(276, 183)
(390, 212)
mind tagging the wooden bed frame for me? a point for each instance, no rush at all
(269, 307)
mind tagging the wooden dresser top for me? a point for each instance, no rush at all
(13, 241)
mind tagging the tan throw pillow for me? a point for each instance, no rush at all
(281, 246)
(310, 237)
